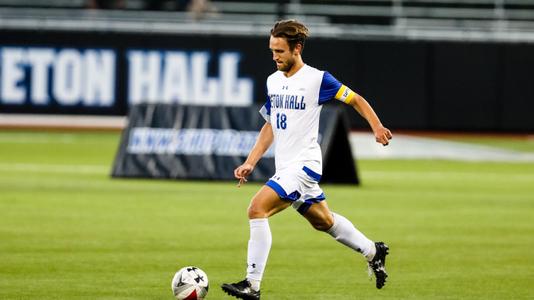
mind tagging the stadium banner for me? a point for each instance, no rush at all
(107, 80)
(208, 142)
(409, 83)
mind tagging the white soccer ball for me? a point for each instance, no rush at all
(190, 283)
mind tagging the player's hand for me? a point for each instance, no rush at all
(242, 172)
(383, 135)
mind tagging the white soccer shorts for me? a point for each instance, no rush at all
(298, 184)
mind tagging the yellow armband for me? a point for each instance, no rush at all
(344, 94)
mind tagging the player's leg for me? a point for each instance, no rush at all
(321, 218)
(339, 227)
(264, 204)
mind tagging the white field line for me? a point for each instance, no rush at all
(54, 168)
(63, 121)
(37, 139)
(455, 175)
(43, 138)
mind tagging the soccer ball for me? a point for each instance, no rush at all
(190, 283)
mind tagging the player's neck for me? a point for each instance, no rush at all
(295, 68)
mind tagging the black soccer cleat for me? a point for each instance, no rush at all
(378, 264)
(241, 290)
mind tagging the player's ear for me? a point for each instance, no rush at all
(298, 49)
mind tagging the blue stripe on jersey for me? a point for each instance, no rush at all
(312, 174)
(329, 87)
(265, 110)
(268, 105)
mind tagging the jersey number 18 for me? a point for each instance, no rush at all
(281, 121)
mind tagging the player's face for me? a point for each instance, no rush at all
(282, 55)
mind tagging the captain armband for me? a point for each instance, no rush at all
(344, 94)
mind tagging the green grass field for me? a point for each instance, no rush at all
(456, 230)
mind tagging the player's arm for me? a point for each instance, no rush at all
(382, 134)
(345, 94)
(332, 88)
(263, 142)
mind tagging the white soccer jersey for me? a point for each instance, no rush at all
(293, 108)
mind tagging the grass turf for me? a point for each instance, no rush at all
(68, 231)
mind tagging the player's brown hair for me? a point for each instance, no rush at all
(292, 30)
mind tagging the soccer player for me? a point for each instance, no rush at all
(295, 95)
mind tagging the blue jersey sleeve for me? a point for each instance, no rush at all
(265, 110)
(329, 87)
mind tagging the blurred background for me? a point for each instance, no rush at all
(443, 65)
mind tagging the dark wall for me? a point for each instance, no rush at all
(517, 88)
(465, 86)
(442, 85)
(419, 85)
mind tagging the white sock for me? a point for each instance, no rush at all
(254, 284)
(345, 232)
(259, 246)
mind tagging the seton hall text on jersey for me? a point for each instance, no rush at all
(287, 101)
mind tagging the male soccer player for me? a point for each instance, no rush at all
(295, 95)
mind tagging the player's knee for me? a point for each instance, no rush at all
(256, 212)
